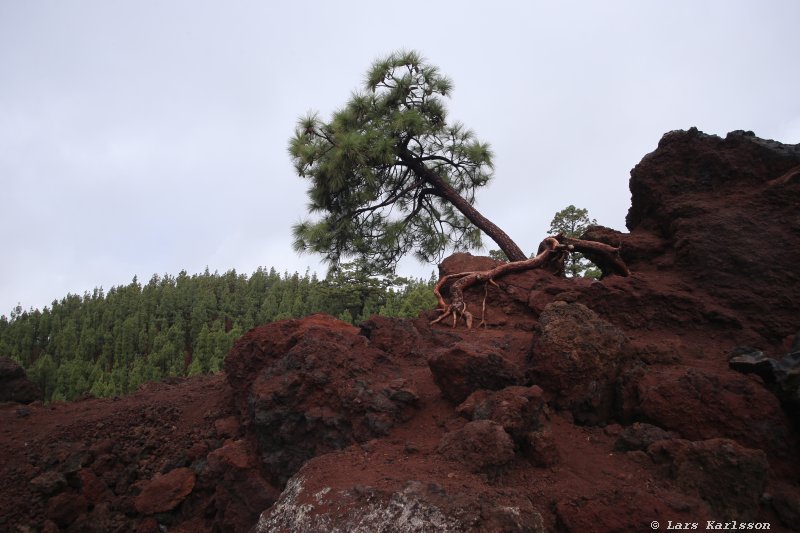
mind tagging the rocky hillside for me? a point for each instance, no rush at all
(669, 396)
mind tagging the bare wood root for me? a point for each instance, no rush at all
(551, 252)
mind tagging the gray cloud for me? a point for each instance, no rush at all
(150, 137)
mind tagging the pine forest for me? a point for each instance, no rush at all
(108, 343)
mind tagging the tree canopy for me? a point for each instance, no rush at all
(390, 175)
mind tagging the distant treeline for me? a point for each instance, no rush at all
(107, 343)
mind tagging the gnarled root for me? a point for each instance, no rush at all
(551, 253)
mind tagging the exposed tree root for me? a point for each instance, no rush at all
(551, 255)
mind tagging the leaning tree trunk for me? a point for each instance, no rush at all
(509, 247)
(551, 253)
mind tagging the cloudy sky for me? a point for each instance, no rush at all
(142, 136)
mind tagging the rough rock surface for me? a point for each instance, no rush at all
(164, 492)
(605, 405)
(413, 507)
(700, 404)
(319, 386)
(519, 410)
(481, 445)
(576, 357)
(468, 366)
(730, 477)
(728, 209)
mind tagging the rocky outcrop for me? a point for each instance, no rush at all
(481, 445)
(726, 208)
(307, 387)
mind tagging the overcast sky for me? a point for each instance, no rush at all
(141, 137)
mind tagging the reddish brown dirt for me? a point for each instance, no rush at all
(104, 447)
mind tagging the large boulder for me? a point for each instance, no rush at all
(310, 386)
(576, 357)
(481, 445)
(467, 366)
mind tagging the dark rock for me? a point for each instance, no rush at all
(49, 482)
(65, 508)
(576, 357)
(470, 365)
(92, 487)
(15, 385)
(482, 446)
(624, 510)
(782, 376)
(227, 427)
(786, 503)
(396, 336)
(730, 477)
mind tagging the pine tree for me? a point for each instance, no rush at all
(389, 175)
(573, 222)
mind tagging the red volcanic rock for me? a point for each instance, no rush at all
(640, 436)
(395, 336)
(240, 492)
(468, 366)
(226, 427)
(728, 210)
(165, 492)
(311, 386)
(730, 477)
(628, 509)
(540, 447)
(15, 385)
(576, 357)
(482, 445)
(518, 410)
(92, 487)
(698, 405)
